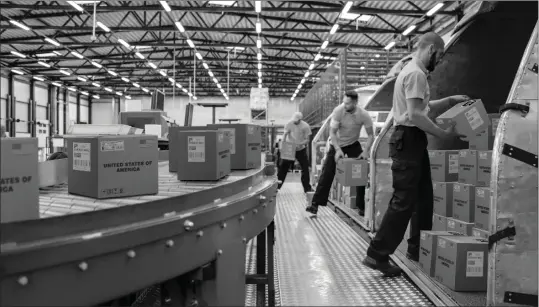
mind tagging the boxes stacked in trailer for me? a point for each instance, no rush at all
(455, 251)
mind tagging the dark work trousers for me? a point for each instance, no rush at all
(320, 197)
(412, 196)
(285, 165)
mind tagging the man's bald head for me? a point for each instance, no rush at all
(430, 48)
(428, 39)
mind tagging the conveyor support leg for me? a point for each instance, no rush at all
(264, 252)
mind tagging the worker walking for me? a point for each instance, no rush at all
(298, 132)
(413, 195)
(347, 120)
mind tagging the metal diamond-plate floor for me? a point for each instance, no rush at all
(318, 260)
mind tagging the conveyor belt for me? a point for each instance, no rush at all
(318, 260)
(56, 201)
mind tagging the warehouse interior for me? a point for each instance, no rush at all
(139, 138)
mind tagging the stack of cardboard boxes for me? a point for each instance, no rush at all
(455, 251)
(350, 173)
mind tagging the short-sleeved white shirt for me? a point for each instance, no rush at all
(411, 83)
(299, 132)
(349, 124)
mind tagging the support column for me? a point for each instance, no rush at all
(90, 102)
(32, 110)
(78, 109)
(10, 107)
(64, 110)
(53, 96)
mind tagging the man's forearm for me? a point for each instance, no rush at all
(370, 141)
(441, 104)
(334, 141)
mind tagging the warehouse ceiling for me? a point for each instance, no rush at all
(133, 47)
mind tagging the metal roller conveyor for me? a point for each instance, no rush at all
(188, 242)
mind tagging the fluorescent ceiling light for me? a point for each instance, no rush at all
(78, 55)
(334, 29)
(190, 43)
(184, 90)
(76, 6)
(317, 57)
(199, 56)
(146, 90)
(222, 90)
(258, 43)
(71, 89)
(152, 65)
(218, 85)
(260, 74)
(210, 73)
(258, 6)
(324, 45)
(205, 65)
(389, 46)
(108, 89)
(18, 54)
(299, 86)
(362, 67)
(178, 85)
(20, 25)
(96, 96)
(165, 5)
(435, 9)
(190, 94)
(259, 80)
(347, 7)
(409, 30)
(306, 74)
(139, 55)
(136, 84)
(171, 80)
(55, 43)
(142, 47)
(258, 27)
(311, 66)
(96, 84)
(260, 86)
(259, 56)
(48, 54)
(163, 73)
(127, 97)
(292, 99)
(112, 73)
(179, 26)
(119, 94)
(81, 79)
(237, 48)
(364, 18)
(224, 3)
(124, 79)
(259, 66)
(57, 84)
(18, 72)
(377, 55)
(64, 72)
(97, 64)
(126, 45)
(297, 91)
(102, 26)
(39, 79)
(215, 80)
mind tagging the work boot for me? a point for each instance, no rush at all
(385, 267)
(361, 212)
(312, 209)
(413, 254)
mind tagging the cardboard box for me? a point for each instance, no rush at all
(470, 118)
(468, 167)
(439, 223)
(484, 164)
(19, 182)
(484, 140)
(427, 249)
(109, 166)
(457, 226)
(288, 151)
(350, 202)
(482, 208)
(464, 202)
(443, 198)
(480, 233)
(174, 146)
(352, 172)
(205, 155)
(461, 263)
(444, 165)
(245, 145)
(349, 191)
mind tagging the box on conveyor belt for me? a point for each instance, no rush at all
(352, 172)
(482, 208)
(174, 146)
(484, 140)
(468, 166)
(439, 223)
(427, 249)
(19, 182)
(444, 165)
(350, 202)
(204, 155)
(464, 202)
(455, 225)
(470, 118)
(480, 233)
(245, 145)
(109, 166)
(443, 198)
(288, 151)
(461, 263)
(484, 164)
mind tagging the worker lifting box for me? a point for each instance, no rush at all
(469, 117)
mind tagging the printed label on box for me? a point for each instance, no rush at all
(463, 154)
(432, 154)
(434, 185)
(81, 157)
(112, 146)
(441, 243)
(232, 135)
(423, 236)
(196, 149)
(474, 264)
(480, 193)
(250, 129)
(473, 117)
(483, 155)
(356, 171)
(451, 224)
(456, 188)
(453, 164)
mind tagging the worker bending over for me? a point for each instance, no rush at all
(298, 132)
(347, 120)
(412, 183)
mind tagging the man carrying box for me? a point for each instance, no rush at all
(298, 132)
(347, 120)
(412, 183)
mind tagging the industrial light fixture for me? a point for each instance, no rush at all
(84, 93)
(81, 79)
(152, 65)
(222, 90)
(20, 25)
(190, 43)
(64, 72)
(260, 86)
(364, 18)
(311, 66)
(259, 66)
(258, 6)
(190, 94)
(324, 45)
(218, 85)
(171, 80)
(199, 56)
(102, 26)
(165, 5)
(127, 97)
(38, 78)
(215, 80)
(237, 48)
(163, 73)
(258, 27)
(210, 73)
(55, 43)
(18, 54)
(184, 90)
(223, 3)
(96, 84)
(205, 65)
(259, 56)
(96, 96)
(18, 72)
(124, 79)
(260, 74)
(377, 56)
(409, 30)
(56, 84)
(146, 90)
(302, 81)
(259, 80)
(126, 45)
(119, 94)
(334, 29)
(75, 5)
(97, 64)
(317, 57)
(71, 89)
(306, 74)
(78, 55)
(389, 46)
(362, 67)
(258, 43)
(47, 54)
(108, 89)
(435, 9)
(139, 55)
(179, 26)
(178, 85)
(136, 85)
(112, 73)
